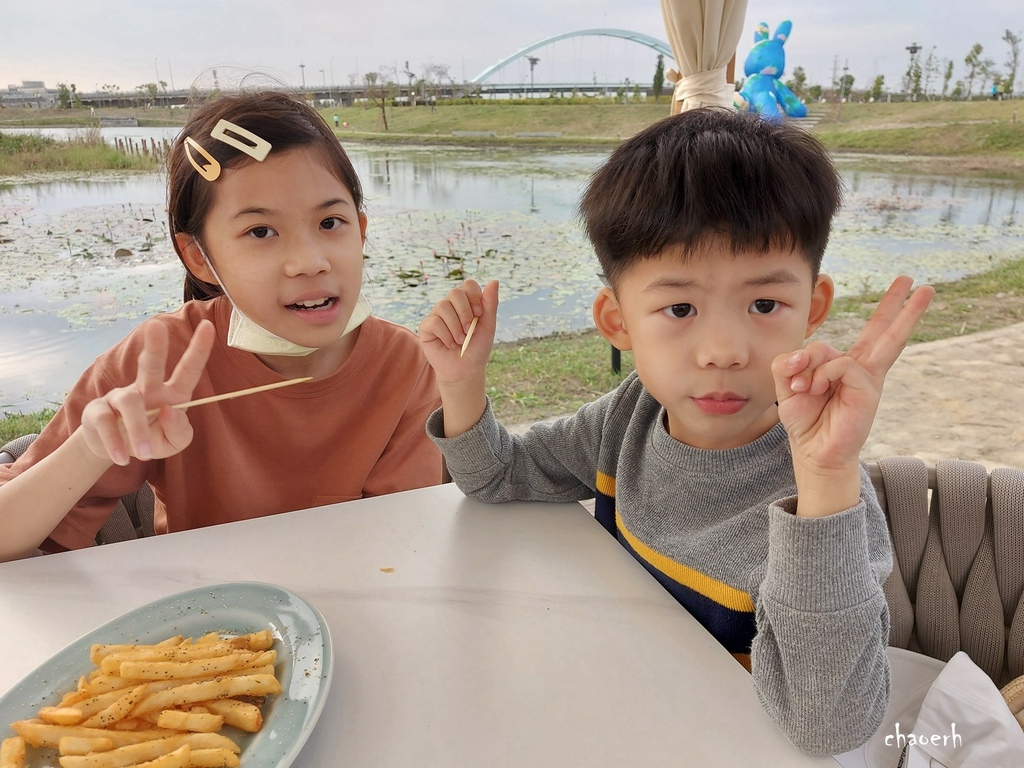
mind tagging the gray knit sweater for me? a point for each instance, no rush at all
(798, 601)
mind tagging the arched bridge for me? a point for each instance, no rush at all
(637, 37)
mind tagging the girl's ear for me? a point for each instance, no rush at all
(821, 303)
(609, 321)
(362, 226)
(193, 258)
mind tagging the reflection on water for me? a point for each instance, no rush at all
(437, 214)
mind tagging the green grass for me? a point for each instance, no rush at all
(14, 425)
(31, 153)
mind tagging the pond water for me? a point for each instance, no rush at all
(436, 214)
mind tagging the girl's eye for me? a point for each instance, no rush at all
(332, 222)
(764, 306)
(680, 310)
(261, 233)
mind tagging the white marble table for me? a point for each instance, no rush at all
(464, 634)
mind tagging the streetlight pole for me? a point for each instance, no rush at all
(533, 63)
(302, 68)
(332, 78)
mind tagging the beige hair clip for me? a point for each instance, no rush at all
(242, 140)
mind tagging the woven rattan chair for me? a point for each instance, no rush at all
(131, 519)
(958, 573)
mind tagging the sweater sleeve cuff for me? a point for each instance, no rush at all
(818, 564)
(474, 450)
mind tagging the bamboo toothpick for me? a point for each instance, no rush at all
(231, 395)
(469, 335)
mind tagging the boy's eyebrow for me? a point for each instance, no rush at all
(781, 276)
(256, 210)
(778, 276)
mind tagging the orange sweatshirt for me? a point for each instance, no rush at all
(359, 432)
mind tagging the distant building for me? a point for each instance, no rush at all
(31, 93)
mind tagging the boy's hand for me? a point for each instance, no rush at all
(828, 400)
(116, 428)
(461, 378)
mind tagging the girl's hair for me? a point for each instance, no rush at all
(284, 121)
(708, 173)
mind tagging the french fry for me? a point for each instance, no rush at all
(179, 758)
(164, 670)
(118, 710)
(39, 734)
(149, 750)
(213, 758)
(158, 705)
(12, 752)
(240, 714)
(79, 745)
(176, 720)
(218, 688)
(61, 715)
(100, 651)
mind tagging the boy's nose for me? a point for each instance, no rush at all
(723, 346)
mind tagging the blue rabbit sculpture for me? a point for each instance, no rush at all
(764, 92)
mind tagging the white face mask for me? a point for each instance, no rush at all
(246, 335)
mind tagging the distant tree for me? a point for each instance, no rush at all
(875, 92)
(931, 69)
(946, 77)
(916, 74)
(814, 92)
(958, 91)
(975, 66)
(76, 100)
(798, 83)
(380, 89)
(846, 86)
(63, 96)
(1012, 61)
(658, 84)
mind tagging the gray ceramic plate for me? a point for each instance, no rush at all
(304, 665)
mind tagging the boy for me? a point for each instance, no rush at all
(728, 463)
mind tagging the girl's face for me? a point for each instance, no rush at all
(286, 240)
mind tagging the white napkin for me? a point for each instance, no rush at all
(964, 721)
(912, 676)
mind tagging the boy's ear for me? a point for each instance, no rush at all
(193, 258)
(609, 321)
(821, 303)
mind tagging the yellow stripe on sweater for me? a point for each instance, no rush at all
(721, 593)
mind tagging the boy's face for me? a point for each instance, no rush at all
(704, 331)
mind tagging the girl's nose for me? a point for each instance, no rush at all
(307, 258)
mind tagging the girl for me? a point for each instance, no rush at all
(266, 213)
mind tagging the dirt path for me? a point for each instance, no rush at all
(961, 397)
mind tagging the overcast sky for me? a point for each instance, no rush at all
(128, 43)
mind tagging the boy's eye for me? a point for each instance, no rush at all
(331, 222)
(261, 232)
(764, 306)
(680, 310)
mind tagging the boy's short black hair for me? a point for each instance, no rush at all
(711, 172)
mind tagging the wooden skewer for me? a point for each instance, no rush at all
(230, 395)
(469, 335)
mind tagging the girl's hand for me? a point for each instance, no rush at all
(828, 400)
(443, 332)
(116, 428)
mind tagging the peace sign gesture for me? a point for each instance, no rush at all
(828, 399)
(116, 426)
